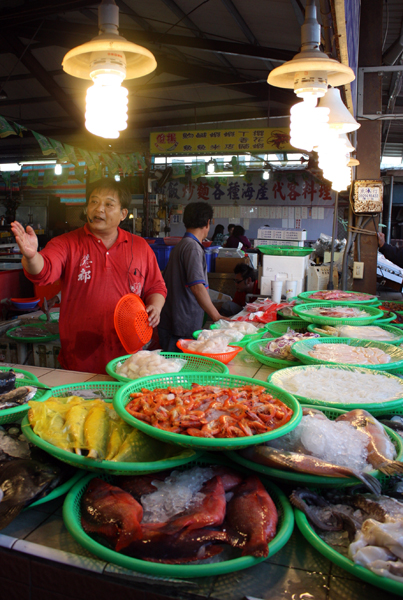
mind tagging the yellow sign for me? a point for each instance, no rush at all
(221, 141)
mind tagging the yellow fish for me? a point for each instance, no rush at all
(96, 431)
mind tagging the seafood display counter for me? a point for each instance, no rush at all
(40, 559)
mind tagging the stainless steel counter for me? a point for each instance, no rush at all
(297, 572)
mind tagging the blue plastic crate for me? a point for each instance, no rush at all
(162, 254)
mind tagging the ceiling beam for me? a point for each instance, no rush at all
(33, 65)
(32, 11)
(79, 33)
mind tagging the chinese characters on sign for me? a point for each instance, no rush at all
(221, 141)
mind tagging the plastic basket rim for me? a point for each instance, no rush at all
(50, 337)
(311, 479)
(19, 411)
(111, 366)
(269, 360)
(285, 250)
(391, 366)
(271, 327)
(342, 561)
(119, 404)
(375, 407)
(306, 296)
(165, 569)
(60, 490)
(29, 376)
(386, 320)
(104, 466)
(373, 314)
(228, 355)
(386, 327)
(52, 318)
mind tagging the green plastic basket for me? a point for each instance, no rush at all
(302, 348)
(47, 337)
(389, 328)
(394, 587)
(278, 328)
(72, 520)
(255, 349)
(108, 389)
(54, 317)
(60, 490)
(281, 316)
(194, 362)
(278, 377)
(318, 481)
(29, 378)
(176, 379)
(306, 296)
(285, 250)
(386, 319)
(10, 415)
(302, 310)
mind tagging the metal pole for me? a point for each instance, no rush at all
(388, 232)
(330, 285)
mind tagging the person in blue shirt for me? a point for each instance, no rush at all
(186, 280)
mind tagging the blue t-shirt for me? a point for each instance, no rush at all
(187, 266)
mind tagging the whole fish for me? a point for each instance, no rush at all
(209, 513)
(380, 449)
(303, 463)
(7, 381)
(96, 431)
(252, 513)
(22, 481)
(106, 509)
(17, 396)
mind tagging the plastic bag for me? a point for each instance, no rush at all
(147, 362)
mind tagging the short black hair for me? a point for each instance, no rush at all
(238, 230)
(197, 214)
(112, 185)
(246, 271)
(230, 226)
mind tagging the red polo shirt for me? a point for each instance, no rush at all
(93, 279)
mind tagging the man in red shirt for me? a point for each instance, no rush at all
(246, 283)
(97, 265)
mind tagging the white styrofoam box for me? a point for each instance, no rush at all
(13, 352)
(293, 266)
(265, 284)
(45, 355)
(318, 277)
(259, 242)
(281, 234)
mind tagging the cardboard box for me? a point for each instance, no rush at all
(318, 278)
(227, 265)
(45, 355)
(263, 242)
(268, 233)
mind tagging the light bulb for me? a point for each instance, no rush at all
(106, 106)
(266, 175)
(117, 177)
(58, 169)
(308, 124)
(210, 167)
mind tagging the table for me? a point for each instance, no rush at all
(39, 560)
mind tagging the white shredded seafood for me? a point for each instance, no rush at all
(342, 386)
(343, 353)
(146, 363)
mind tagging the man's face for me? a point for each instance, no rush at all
(104, 211)
(240, 282)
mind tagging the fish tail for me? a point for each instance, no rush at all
(392, 467)
(370, 481)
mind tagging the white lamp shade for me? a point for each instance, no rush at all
(340, 117)
(284, 75)
(139, 60)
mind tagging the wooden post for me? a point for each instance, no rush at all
(369, 134)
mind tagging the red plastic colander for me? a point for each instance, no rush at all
(131, 323)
